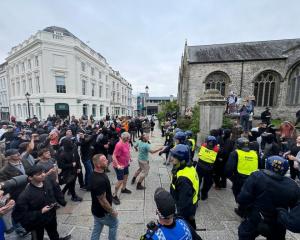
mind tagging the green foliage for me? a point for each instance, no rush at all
(227, 122)
(276, 122)
(190, 123)
(168, 107)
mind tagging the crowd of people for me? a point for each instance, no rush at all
(41, 162)
(53, 155)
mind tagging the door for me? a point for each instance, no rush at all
(62, 110)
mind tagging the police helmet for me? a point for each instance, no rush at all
(189, 133)
(180, 152)
(277, 164)
(177, 130)
(180, 136)
(243, 144)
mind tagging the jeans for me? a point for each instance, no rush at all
(88, 172)
(99, 223)
(245, 122)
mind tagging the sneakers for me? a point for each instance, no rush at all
(116, 200)
(125, 191)
(139, 186)
(133, 180)
(76, 199)
(66, 237)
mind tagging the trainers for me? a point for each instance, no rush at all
(125, 191)
(116, 200)
(139, 186)
(66, 237)
(76, 199)
(133, 180)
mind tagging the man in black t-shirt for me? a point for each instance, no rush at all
(101, 194)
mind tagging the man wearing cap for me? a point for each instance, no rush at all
(185, 184)
(36, 206)
(168, 227)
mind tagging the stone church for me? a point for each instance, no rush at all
(269, 70)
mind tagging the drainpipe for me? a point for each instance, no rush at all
(242, 78)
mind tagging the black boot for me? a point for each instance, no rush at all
(133, 180)
(139, 186)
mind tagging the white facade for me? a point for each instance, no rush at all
(3, 86)
(63, 76)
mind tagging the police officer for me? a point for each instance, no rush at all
(264, 192)
(180, 137)
(190, 141)
(290, 219)
(241, 163)
(168, 227)
(207, 157)
(185, 184)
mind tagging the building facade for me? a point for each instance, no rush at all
(4, 97)
(153, 104)
(269, 70)
(62, 75)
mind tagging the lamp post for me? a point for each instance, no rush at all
(146, 96)
(27, 95)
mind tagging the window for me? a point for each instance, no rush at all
(107, 110)
(265, 88)
(106, 93)
(93, 89)
(92, 71)
(38, 111)
(13, 89)
(85, 110)
(23, 67)
(14, 110)
(31, 109)
(94, 107)
(24, 86)
(37, 84)
(17, 68)
(19, 110)
(25, 114)
(294, 87)
(36, 61)
(84, 87)
(114, 85)
(101, 110)
(83, 66)
(29, 64)
(100, 91)
(217, 80)
(18, 88)
(106, 78)
(30, 86)
(100, 75)
(60, 84)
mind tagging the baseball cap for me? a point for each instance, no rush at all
(34, 170)
(11, 152)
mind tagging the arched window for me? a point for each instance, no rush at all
(25, 110)
(265, 88)
(293, 93)
(217, 80)
(31, 110)
(38, 111)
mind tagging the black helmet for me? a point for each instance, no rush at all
(243, 144)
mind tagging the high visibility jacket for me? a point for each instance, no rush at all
(191, 174)
(247, 162)
(193, 143)
(207, 155)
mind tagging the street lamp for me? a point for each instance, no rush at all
(27, 95)
(146, 96)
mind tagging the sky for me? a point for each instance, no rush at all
(144, 40)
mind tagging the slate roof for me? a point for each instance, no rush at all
(250, 51)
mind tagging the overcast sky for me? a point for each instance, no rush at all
(144, 40)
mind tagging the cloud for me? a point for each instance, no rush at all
(144, 40)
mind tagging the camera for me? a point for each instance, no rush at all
(152, 226)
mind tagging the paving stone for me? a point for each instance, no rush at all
(132, 217)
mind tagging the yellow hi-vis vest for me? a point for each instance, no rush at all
(207, 155)
(247, 162)
(191, 174)
(193, 143)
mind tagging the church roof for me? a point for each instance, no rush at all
(249, 51)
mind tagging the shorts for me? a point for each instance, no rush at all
(144, 166)
(121, 172)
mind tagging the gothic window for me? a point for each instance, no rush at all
(265, 86)
(293, 97)
(217, 80)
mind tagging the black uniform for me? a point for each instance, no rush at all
(29, 205)
(291, 219)
(262, 193)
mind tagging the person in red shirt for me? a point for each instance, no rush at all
(205, 166)
(121, 158)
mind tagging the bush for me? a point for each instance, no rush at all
(190, 123)
(227, 122)
(169, 107)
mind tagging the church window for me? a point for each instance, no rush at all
(265, 86)
(293, 97)
(217, 80)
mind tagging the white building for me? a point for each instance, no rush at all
(3, 86)
(63, 76)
